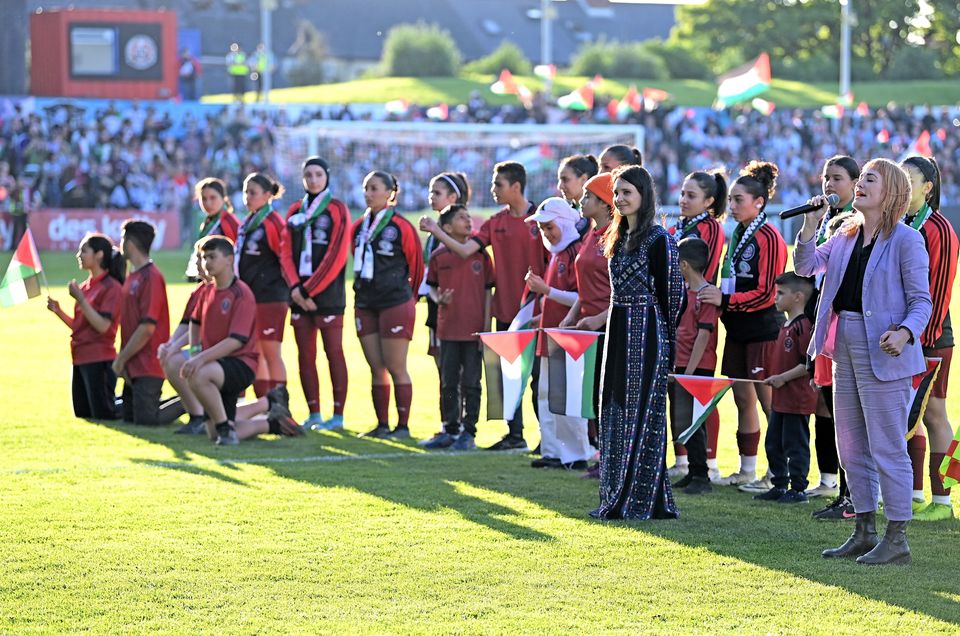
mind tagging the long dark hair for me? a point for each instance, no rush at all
(931, 174)
(581, 165)
(455, 183)
(266, 183)
(759, 178)
(712, 184)
(625, 155)
(639, 178)
(112, 260)
(218, 186)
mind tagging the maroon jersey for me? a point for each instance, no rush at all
(145, 302)
(796, 396)
(561, 274)
(696, 316)
(87, 344)
(192, 302)
(469, 278)
(229, 313)
(942, 248)
(517, 248)
(593, 274)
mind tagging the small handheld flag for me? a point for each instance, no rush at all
(572, 365)
(706, 393)
(950, 467)
(22, 280)
(508, 359)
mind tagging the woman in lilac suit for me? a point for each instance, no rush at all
(874, 304)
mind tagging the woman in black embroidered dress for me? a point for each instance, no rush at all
(641, 330)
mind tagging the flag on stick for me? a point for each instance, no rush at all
(545, 71)
(397, 107)
(508, 359)
(505, 84)
(580, 99)
(525, 317)
(745, 82)
(440, 112)
(950, 467)
(920, 393)
(22, 280)
(573, 356)
(706, 393)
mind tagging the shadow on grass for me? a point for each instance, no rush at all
(727, 523)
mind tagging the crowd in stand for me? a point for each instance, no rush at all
(143, 157)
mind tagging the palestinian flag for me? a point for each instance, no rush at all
(508, 359)
(833, 111)
(545, 71)
(630, 103)
(745, 82)
(919, 393)
(572, 366)
(525, 317)
(706, 393)
(439, 113)
(950, 468)
(21, 282)
(580, 99)
(505, 84)
(397, 107)
(763, 106)
(920, 146)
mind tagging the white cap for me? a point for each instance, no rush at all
(551, 209)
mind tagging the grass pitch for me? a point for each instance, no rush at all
(110, 528)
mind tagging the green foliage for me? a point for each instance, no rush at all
(506, 56)
(309, 51)
(615, 59)
(682, 62)
(420, 50)
(914, 63)
(809, 68)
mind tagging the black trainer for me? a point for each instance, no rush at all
(194, 426)
(380, 432)
(279, 395)
(841, 509)
(546, 462)
(773, 494)
(580, 464)
(509, 442)
(698, 486)
(684, 481)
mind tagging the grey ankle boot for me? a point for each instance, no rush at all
(863, 540)
(892, 549)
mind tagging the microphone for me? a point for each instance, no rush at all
(806, 208)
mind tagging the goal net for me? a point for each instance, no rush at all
(415, 152)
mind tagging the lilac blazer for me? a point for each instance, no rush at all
(896, 291)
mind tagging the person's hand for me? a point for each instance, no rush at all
(776, 381)
(428, 224)
(75, 290)
(297, 296)
(163, 351)
(444, 296)
(892, 342)
(118, 367)
(711, 295)
(536, 284)
(190, 367)
(591, 323)
(309, 304)
(53, 305)
(568, 322)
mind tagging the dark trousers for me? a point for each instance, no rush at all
(460, 368)
(94, 385)
(788, 449)
(516, 424)
(142, 405)
(681, 417)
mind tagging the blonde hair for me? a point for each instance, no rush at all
(896, 197)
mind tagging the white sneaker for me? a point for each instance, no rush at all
(823, 490)
(736, 479)
(761, 485)
(713, 475)
(678, 470)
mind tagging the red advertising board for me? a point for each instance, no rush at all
(63, 229)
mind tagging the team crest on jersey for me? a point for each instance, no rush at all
(534, 230)
(225, 305)
(743, 269)
(134, 286)
(561, 268)
(323, 222)
(749, 252)
(251, 244)
(788, 344)
(477, 267)
(390, 233)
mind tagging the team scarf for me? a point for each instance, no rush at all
(428, 246)
(831, 214)
(304, 219)
(211, 224)
(917, 220)
(738, 242)
(370, 229)
(251, 223)
(685, 226)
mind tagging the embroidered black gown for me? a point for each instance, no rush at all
(646, 293)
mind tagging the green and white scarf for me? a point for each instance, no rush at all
(370, 229)
(738, 242)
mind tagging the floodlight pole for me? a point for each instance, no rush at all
(845, 47)
(266, 36)
(546, 41)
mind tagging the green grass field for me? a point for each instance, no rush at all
(456, 90)
(110, 528)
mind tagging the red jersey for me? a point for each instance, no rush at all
(748, 313)
(88, 345)
(470, 278)
(711, 232)
(329, 236)
(145, 302)
(593, 274)
(260, 264)
(397, 265)
(561, 274)
(192, 303)
(796, 396)
(517, 247)
(225, 224)
(229, 313)
(942, 249)
(697, 316)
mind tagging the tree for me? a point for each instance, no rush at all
(506, 56)
(800, 34)
(420, 50)
(308, 51)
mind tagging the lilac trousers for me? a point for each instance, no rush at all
(870, 416)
